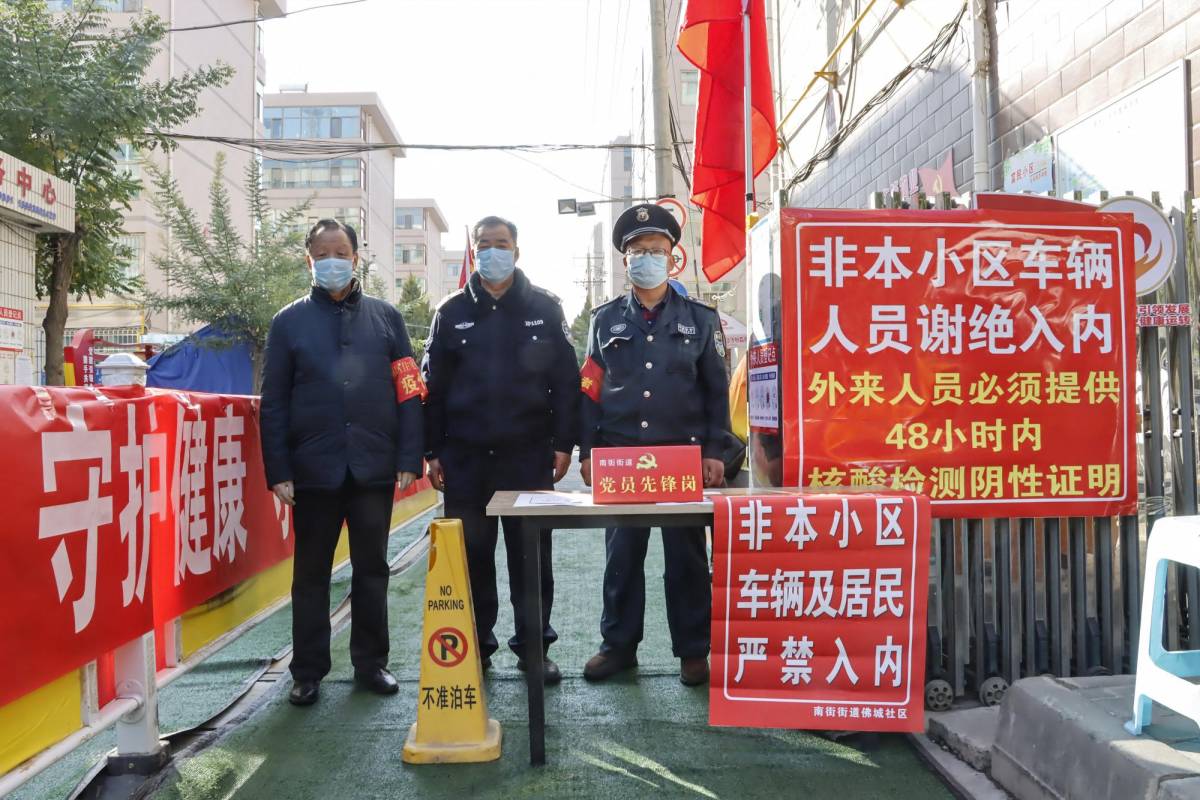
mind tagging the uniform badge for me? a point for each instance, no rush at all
(719, 341)
(617, 328)
(462, 326)
(686, 330)
(643, 215)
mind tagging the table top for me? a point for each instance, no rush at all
(558, 504)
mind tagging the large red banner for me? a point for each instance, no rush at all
(819, 605)
(983, 358)
(123, 509)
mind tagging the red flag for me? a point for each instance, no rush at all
(710, 36)
(468, 265)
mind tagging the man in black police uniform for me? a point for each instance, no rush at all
(502, 413)
(655, 375)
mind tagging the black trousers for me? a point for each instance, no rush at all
(687, 582)
(482, 533)
(473, 474)
(319, 516)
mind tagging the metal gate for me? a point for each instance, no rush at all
(1013, 598)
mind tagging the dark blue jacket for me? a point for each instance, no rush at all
(662, 382)
(328, 399)
(501, 373)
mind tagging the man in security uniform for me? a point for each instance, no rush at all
(655, 374)
(502, 413)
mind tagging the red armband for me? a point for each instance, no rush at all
(591, 379)
(407, 378)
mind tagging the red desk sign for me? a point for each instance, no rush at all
(646, 475)
(819, 607)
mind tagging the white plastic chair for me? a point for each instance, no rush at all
(1161, 673)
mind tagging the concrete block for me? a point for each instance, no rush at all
(1144, 28)
(1047, 92)
(1166, 49)
(1089, 32)
(1180, 789)
(1108, 52)
(1192, 27)
(1035, 73)
(1123, 682)
(1118, 12)
(1092, 94)
(1051, 742)
(1063, 112)
(969, 733)
(1076, 73)
(1126, 73)
(1176, 11)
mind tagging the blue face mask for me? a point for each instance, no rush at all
(333, 274)
(648, 271)
(495, 265)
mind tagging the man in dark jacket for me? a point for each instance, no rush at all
(654, 375)
(341, 427)
(503, 398)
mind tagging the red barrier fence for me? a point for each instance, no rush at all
(123, 509)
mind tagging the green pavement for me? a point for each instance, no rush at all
(643, 734)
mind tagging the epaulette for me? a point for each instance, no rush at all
(700, 303)
(548, 293)
(608, 303)
(448, 298)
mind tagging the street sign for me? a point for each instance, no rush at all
(677, 209)
(1153, 242)
(680, 257)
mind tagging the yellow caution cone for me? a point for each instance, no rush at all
(452, 721)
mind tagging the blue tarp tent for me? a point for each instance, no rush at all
(195, 366)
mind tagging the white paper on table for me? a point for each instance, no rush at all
(530, 499)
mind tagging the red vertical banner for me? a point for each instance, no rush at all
(983, 358)
(819, 611)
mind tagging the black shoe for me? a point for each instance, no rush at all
(606, 664)
(551, 674)
(379, 681)
(304, 693)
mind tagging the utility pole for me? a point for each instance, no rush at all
(663, 165)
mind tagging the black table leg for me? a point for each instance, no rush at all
(531, 536)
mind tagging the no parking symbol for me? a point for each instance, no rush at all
(448, 647)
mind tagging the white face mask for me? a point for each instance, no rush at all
(647, 270)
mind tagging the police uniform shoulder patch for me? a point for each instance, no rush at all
(566, 329)
(606, 304)
(719, 342)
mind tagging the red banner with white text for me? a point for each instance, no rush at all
(819, 611)
(983, 358)
(123, 509)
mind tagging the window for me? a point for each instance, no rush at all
(453, 269)
(410, 254)
(101, 5)
(628, 159)
(338, 173)
(129, 161)
(410, 219)
(135, 244)
(420, 282)
(313, 122)
(689, 90)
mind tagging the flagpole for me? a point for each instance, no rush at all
(747, 91)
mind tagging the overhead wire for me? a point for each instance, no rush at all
(333, 148)
(923, 61)
(255, 20)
